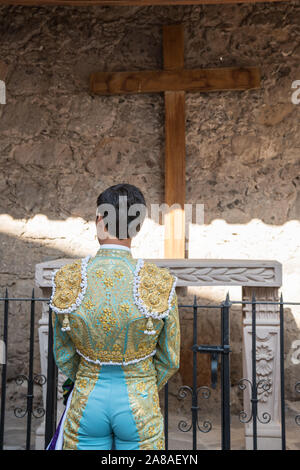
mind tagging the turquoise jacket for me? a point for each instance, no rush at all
(114, 309)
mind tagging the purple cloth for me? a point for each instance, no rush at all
(67, 388)
(53, 441)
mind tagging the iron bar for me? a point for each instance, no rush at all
(28, 299)
(207, 348)
(254, 399)
(51, 397)
(263, 302)
(200, 306)
(4, 370)
(30, 373)
(282, 384)
(225, 375)
(194, 390)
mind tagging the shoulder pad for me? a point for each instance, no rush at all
(154, 289)
(69, 286)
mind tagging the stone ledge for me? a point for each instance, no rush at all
(196, 272)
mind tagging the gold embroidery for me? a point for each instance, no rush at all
(82, 383)
(161, 444)
(118, 274)
(67, 285)
(144, 404)
(89, 305)
(108, 320)
(116, 353)
(124, 308)
(66, 358)
(141, 387)
(167, 359)
(99, 273)
(86, 379)
(155, 287)
(108, 282)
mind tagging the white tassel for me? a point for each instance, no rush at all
(149, 326)
(66, 324)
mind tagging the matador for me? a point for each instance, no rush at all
(116, 339)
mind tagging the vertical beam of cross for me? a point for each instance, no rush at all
(173, 53)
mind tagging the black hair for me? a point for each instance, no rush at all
(112, 196)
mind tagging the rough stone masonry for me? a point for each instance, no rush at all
(60, 146)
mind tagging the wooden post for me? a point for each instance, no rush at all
(173, 47)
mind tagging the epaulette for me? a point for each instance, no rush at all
(153, 291)
(68, 288)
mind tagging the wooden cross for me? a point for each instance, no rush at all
(174, 81)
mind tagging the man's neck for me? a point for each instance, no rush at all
(116, 241)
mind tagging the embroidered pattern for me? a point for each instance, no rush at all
(89, 305)
(118, 274)
(108, 282)
(64, 350)
(144, 404)
(167, 358)
(123, 363)
(100, 273)
(153, 289)
(86, 380)
(107, 319)
(108, 332)
(69, 286)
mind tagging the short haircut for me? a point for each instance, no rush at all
(130, 194)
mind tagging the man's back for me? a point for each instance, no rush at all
(118, 312)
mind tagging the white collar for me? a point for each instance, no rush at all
(116, 246)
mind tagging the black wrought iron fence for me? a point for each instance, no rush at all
(220, 364)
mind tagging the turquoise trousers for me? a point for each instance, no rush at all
(114, 407)
(107, 417)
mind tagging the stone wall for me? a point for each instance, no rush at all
(60, 146)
